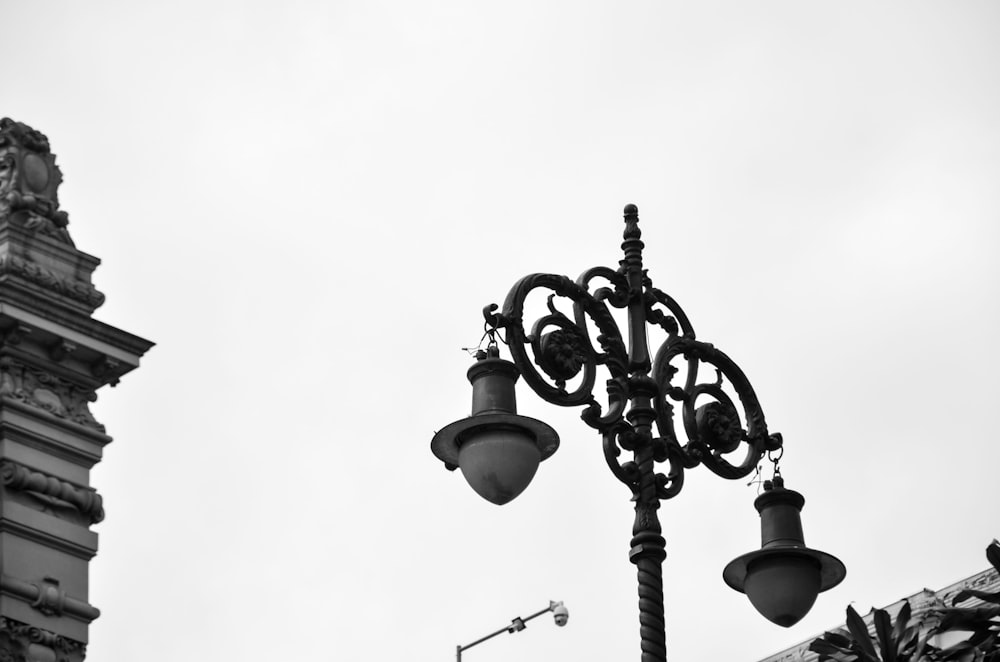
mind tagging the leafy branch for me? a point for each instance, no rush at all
(911, 639)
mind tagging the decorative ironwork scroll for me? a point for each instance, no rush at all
(559, 348)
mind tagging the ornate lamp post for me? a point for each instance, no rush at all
(499, 451)
(559, 613)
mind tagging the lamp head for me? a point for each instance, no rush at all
(497, 450)
(783, 577)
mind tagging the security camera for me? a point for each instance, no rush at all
(560, 613)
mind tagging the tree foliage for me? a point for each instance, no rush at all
(910, 639)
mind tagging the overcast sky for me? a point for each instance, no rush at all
(306, 205)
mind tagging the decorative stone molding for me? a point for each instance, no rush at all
(24, 643)
(15, 334)
(81, 547)
(61, 349)
(29, 181)
(984, 581)
(77, 290)
(45, 391)
(106, 367)
(48, 598)
(15, 476)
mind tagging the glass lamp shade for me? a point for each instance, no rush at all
(497, 450)
(499, 462)
(783, 587)
(783, 577)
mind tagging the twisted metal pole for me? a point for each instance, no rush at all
(648, 548)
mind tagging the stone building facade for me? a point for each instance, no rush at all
(54, 356)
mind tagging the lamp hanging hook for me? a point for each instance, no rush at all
(491, 332)
(491, 327)
(774, 458)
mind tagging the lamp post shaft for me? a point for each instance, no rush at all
(648, 548)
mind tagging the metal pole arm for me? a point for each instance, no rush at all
(516, 625)
(478, 641)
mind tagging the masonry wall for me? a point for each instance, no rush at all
(54, 357)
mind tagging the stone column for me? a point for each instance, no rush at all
(53, 358)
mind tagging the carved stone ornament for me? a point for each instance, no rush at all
(23, 643)
(29, 181)
(88, 502)
(42, 390)
(78, 290)
(105, 369)
(48, 597)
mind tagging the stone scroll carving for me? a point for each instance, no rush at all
(88, 502)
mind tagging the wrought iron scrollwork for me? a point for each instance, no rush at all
(561, 355)
(714, 429)
(567, 350)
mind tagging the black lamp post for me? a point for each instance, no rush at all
(499, 451)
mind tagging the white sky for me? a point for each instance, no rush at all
(307, 204)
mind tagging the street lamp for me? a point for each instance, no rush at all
(499, 451)
(559, 613)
